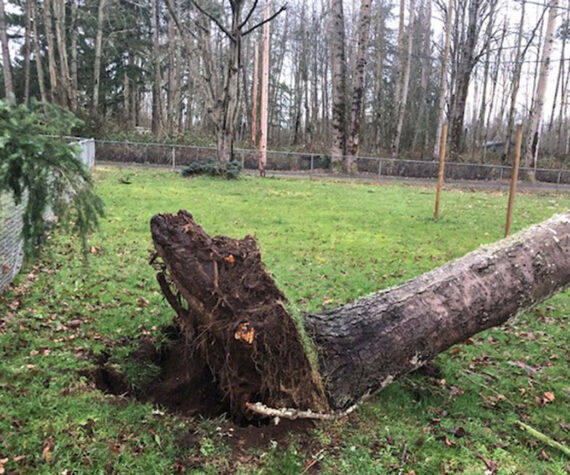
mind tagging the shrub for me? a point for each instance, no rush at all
(213, 168)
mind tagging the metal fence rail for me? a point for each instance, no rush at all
(176, 156)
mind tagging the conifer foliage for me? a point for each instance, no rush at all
(38, 167)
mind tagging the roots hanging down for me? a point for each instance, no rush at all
(233, 318)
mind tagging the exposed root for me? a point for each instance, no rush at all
(233, 316)
(292, 414)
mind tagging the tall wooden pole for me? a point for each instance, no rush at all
(514, 178)
(442, 146)
(254, 93)
(264, 92)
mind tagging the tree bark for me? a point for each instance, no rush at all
(59, 14)
(38, 58)
(74, 60)
(48, 30)
(538, 103)
(467, 61)
(254, 95)
(98, 54)
(264, 106)
(404, 84)
(235, 317)
(7, 70)
(358, 80)
(336, 34)
(27, 49)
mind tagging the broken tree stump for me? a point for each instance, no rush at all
(235, 319)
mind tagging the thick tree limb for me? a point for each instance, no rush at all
(251, 346)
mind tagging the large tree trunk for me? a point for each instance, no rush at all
(336, 34)
(234, 316)
(358, 81)
(61, 40)
(48, 30)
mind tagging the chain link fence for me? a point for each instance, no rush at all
(177, 156)
(11, 221)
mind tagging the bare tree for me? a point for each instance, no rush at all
(467, 58)
(353, 144)
(336, 36)
(538, 103)
(402, 99)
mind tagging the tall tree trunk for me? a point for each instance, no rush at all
(443, 78)
(336, 36)
(480, 125)
(403, 98)
(538, 103)
(421, 124)
(515, 84)
(254, 95)
(7, 70)
(156, 120)
(98, 54)
(264, 112)
(48, 30)
(171, 105)
(37, 53)
(74, 60)
(465, 68)
(59, 13)
(379, 79)
(358, 80)
(27, 48)
(559, 84)
(249, 344)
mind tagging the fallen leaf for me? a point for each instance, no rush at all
(47, 449)
(543, 455)
(2, 463)
(549, 396)
(447, 442)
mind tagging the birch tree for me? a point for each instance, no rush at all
(538, 103)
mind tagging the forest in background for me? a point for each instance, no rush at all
(368, 77)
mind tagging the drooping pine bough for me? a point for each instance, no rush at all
(238, 331)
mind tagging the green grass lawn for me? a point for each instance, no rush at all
(326, 243)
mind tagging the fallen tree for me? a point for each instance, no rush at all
(237, 328)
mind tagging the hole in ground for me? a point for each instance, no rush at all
(183, 385)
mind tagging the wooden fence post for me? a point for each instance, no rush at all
(514, 178)
(442, 147)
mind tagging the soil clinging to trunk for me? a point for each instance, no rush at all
(233, 317)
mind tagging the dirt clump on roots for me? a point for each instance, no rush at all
(234, 326)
